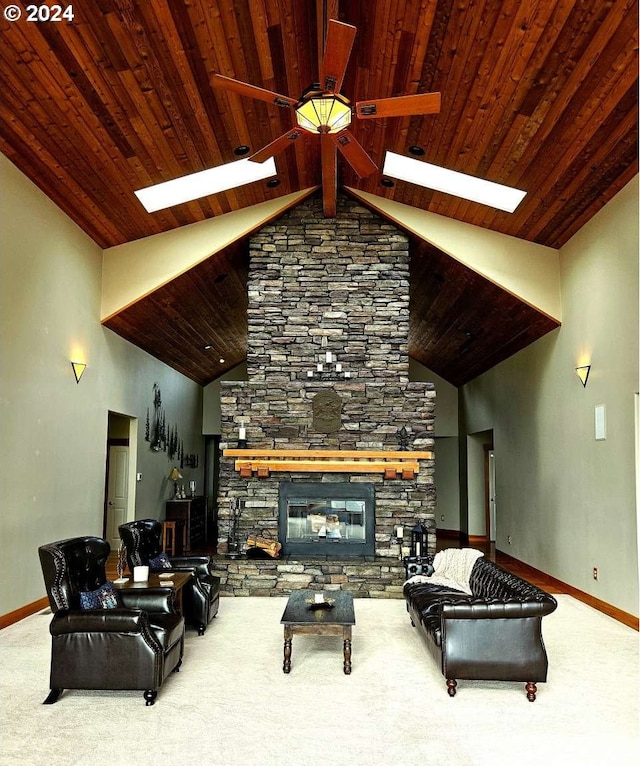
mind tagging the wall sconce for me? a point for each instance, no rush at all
(583, 374)
(78, 370)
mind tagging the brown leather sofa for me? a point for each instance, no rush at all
(201, 595)
(494, 634)
(132, 646)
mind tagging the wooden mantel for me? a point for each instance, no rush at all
(263, 461)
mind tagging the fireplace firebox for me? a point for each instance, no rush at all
(327, 518)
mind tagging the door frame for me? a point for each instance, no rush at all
(132, 442)
(489, 454)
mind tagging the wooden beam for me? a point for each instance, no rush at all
(329, 175)
(328, 454)
(325, 10)
(246, 467)
(391, 464)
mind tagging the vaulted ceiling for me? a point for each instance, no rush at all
(536, 94)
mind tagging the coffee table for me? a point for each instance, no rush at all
(300, 618)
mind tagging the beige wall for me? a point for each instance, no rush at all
(446, 447)
(567, 500)
(54, 431)
(211, 412)
(525, 269)
(446, 398)
(476, 478)
(135, 269)
(447, 480)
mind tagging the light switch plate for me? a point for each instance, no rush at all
(601, 422)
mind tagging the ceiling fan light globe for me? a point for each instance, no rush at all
(324, 114)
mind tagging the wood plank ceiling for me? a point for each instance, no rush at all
(537, 94)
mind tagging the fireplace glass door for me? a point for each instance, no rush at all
(327, 518)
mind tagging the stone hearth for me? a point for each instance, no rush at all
(328, 323)
(373, 577)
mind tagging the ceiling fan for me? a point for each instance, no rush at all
(322, 110)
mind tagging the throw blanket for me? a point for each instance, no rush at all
(451, 568)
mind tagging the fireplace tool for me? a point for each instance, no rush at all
(233, 543)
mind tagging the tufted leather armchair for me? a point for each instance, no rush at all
(134, 646)
(201, 595)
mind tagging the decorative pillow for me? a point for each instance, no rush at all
(104, 597)
(161, 561)
(419, 565)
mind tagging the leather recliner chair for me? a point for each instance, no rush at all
(201, 595)
(132, 646)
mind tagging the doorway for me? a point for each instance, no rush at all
(119, 495)
(490, 492)
(211, 480)
(480, 477)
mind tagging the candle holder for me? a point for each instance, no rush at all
(399, 534)
(121, 564)
(242, 436)
(328, 368)
(419, 540)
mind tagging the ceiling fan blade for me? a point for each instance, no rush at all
(337, 50)
(400, 106)
(353, 152)
(279, 145)
(329, 175)
(244, 89)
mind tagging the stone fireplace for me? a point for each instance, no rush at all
(328, 370)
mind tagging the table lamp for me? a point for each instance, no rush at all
(174, 476)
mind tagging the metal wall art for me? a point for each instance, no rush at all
(190, 461)
(156, 429)
(327, 412)
(163, 439)
(403, 439)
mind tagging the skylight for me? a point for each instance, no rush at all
(451, 182)
(196, 185)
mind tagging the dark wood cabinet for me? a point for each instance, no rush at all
(193, 513)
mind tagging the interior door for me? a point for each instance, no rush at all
(117, 493)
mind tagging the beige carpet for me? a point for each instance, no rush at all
(232, 705)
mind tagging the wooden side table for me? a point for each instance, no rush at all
(192, 512)
(179, 580)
